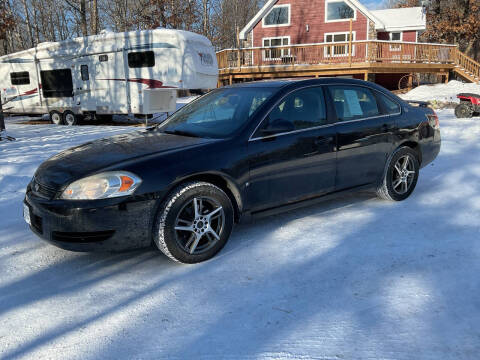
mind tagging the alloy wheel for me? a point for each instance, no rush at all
(403, 175)
(199, 225)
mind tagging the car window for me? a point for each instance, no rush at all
(219, 113)
(353, 102)
(388, 106)
(302, 109)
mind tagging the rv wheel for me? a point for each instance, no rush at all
(69, 118)
(56, 118)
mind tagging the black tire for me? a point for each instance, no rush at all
(69, 118)
(464, 110)
(56, 117)
(178, 211)
(400, 181)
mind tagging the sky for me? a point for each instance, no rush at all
(372, 4)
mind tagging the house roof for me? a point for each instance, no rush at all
(404, 19)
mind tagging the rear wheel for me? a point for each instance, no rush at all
(194, 223)
(56, 118)
(464, 110)
(69, 118)
(400, 176)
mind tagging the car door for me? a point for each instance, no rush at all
(363, 135)
(292, 152)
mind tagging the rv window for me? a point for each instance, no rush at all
(20, 78)
(103, 58)
(57, 83)
(141, 59)
(84, 71)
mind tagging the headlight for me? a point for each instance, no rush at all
(102, 186)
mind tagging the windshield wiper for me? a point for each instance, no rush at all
(181, 133)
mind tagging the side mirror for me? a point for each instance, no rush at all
(277, 126)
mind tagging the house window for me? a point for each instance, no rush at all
(396, 36)
(276, 54)
(341, 49)
(20, 78)
(278, 16)
(141, 59)
(339, 11)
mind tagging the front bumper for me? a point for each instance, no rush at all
(101, 225)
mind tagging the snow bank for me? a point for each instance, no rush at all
(441, 92)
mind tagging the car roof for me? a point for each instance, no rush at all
(297, 82)
(292, 84)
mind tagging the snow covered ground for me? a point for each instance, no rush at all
(353, 278)
(441, 92)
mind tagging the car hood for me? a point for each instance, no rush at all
(91, 157)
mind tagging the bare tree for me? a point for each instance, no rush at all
(229, 17)
(80, 8)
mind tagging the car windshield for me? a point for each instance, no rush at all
(218, 114)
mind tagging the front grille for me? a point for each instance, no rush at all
(82, 237)
(36, 223)
(43, 191)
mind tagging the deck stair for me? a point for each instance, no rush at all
(466, 67)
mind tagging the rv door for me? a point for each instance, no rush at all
(110, 84)
(83, 87)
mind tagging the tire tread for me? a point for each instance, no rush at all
(159, 230)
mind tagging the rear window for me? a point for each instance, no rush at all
(57, 83)
(353, 102)
(20, 78)
(141, 59)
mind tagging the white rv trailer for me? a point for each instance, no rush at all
(138, 72)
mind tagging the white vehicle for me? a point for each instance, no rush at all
(138, 72)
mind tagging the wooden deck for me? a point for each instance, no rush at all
(358, 58)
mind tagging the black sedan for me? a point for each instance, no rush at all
(237, 152)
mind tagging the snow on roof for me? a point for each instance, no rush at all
(402, 19)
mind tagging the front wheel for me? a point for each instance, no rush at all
(194, 223)
(401, 175)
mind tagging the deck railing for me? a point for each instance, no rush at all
(347, 53)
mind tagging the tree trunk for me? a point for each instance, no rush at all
(206, 15)
(29, 24)
(83, 18)
(94, 17)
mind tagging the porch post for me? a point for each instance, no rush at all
(350, 44)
